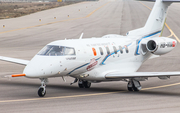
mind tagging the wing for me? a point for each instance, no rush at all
(14, 60)
(120, 75)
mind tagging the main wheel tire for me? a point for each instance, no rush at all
(87, 84)
(135, 88)
(41, 92)
(130, 89)
(81, 84)
(130, 86)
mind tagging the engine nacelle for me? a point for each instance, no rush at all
(159, 45)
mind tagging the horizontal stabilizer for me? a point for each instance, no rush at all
(116, 75)
(14, 60)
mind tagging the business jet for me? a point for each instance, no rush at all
(109, 58)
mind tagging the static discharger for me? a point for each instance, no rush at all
(18, 75)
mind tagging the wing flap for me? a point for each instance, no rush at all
(14, 60)
(118, 75)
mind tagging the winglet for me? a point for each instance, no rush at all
(18, 75)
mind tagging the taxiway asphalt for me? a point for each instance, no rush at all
(23, 37)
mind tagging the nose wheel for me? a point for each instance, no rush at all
(42, 91)
(42, 88)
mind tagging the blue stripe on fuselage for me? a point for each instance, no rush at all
(112, 54)
(82, 66)
(144, 38)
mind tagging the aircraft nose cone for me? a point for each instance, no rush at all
(31, 72)
(42, 66)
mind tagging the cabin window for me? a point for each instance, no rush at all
(120, 49)
(101, 51)
(115, 50)
(94, 51)
(108, 51)
(126, 48)
(53, 50)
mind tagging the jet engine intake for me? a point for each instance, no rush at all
(160, 45)
(152, 46)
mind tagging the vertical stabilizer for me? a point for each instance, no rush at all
(157, 17)
(156, 20)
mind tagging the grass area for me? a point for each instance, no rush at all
(13, 10)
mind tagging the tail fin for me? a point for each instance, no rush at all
(156, 19)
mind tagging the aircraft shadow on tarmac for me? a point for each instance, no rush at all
(74, 89)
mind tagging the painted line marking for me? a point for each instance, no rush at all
(85, 95)
(175, 84)
(60, 97)
(56, 21)
(96, 10)
(172, 33)
(96, 94)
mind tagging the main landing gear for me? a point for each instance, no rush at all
(42, 88)
(134, 85)
(84, 84)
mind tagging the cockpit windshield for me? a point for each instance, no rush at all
(52, 50)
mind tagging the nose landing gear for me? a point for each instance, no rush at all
(42, 88)
(134, 85)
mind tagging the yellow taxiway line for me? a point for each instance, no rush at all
(56, 21)
(96, 10)
(161, 86)
(60, 97)
(85, 95)
(172, 33)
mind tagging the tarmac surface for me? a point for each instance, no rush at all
(23, 37)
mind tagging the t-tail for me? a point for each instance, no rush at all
(149, 36)
(156, 20)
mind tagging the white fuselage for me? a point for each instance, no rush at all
(93, 58)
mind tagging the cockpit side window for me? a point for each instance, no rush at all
(52, 50)
(69, 51)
